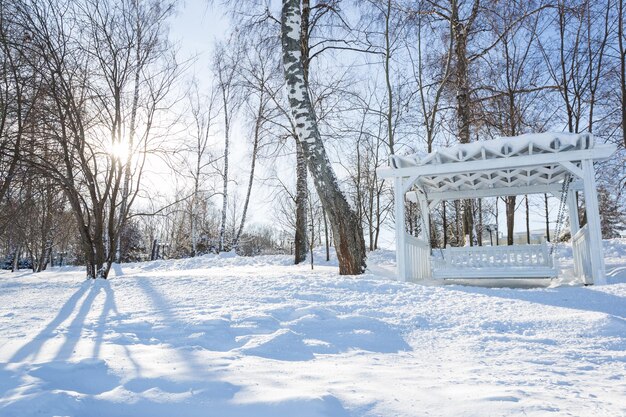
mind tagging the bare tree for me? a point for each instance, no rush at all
(146, 23)
(225, 65)
(19, 92)
(621, 41)
(257, 72)
(516, 85)
(347, 231)
(389, 30)
(198, 154)
(430, 91)
(80, 134)
(575, 60)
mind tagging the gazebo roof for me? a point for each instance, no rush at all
(526, 164)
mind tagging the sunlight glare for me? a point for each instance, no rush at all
(119, 150)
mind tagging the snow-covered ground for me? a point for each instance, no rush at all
(228, 336)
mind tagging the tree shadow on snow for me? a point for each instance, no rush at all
(32, 348)
(196, 404)
(70, 387)
(213, 334)
(65, 386)
(109, 310)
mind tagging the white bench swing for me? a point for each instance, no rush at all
(556, 163)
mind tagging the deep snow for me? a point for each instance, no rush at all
(229, 336)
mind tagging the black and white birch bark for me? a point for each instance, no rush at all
(225, 173)
(225, 74)
(302, 192)
(347, 231)
(622, 65)
(301, 242)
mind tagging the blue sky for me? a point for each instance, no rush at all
(195, 27)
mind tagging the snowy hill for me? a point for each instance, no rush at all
(230, 336)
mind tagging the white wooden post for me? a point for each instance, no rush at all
(425, 215)
(400, 229)
(572, 207)
(574, 227)
(593, 221)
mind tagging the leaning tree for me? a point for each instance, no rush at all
(347, 230)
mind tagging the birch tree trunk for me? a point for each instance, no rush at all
(193, 221)
(326, 237)
(225, 173)
(622, 65)
(302, 189)
(226, 65)
(300, 239)
(347, 231)
(255, 147)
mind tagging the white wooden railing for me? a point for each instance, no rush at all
(524, 261)
(495, 256)
(582, 259)
(417, 258)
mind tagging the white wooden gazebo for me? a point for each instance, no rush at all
(527, 164)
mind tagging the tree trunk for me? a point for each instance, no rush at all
(194, 204)
(497, 216)
(255, 147)
(462, 87)
(302, 190)
(510, 218)
(444, 220)
(457, 223)
(153, 252)
(460, 31)
(527, 219)
(300, 241)
(545, 199)
(225, 187)
(347, 231)
(326, 237)
(15, 266)
(622, 62)
(378, 219)
(480, 222)
(312, 242)
(390, 138)
(131, 138)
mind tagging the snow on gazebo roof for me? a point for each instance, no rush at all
(531, 163)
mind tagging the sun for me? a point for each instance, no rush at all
(119, 150)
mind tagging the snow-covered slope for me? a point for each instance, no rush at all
(229, 336)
